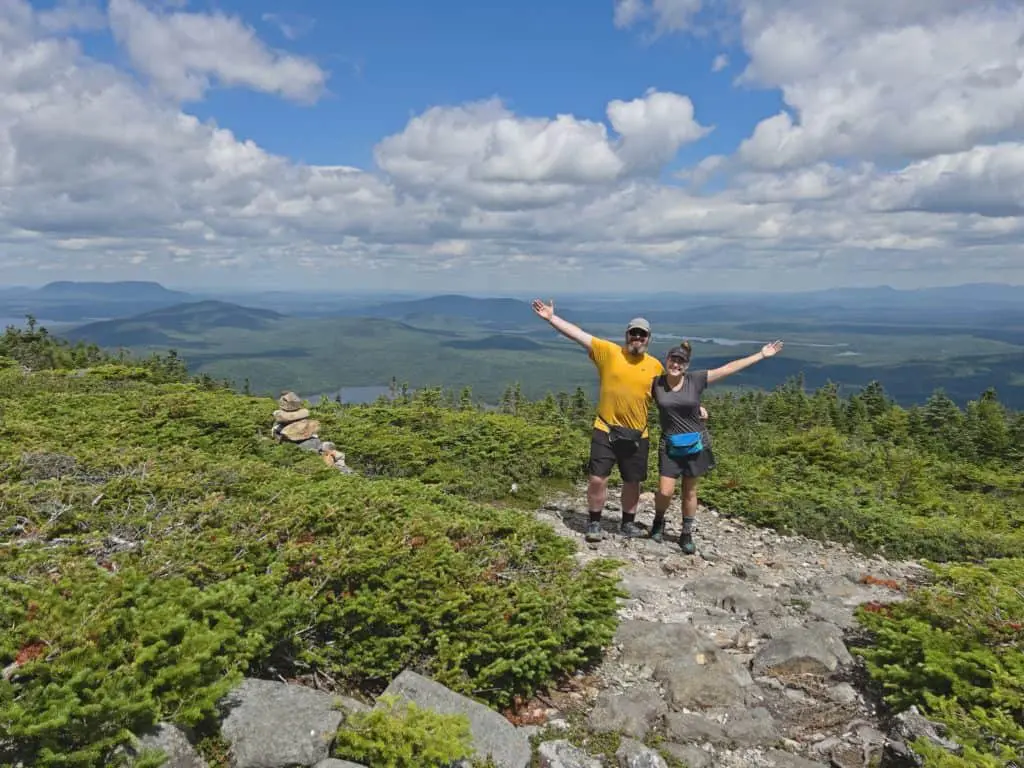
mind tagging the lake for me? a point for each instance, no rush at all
(353, 395)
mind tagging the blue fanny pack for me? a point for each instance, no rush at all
(683, 444)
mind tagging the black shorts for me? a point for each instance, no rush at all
(632, 461)
(691, 466)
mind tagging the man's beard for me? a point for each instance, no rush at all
(637, 347)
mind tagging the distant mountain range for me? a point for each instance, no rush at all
(167, 325)
(128, 290)
(955, 341)
(67, 301)
(493, 311)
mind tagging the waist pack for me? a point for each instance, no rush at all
(622, 437)
(684, 444)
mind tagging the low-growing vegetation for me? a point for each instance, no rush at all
(156, 546)
(400, 734)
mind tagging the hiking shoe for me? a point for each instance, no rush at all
(658, 531)
(631, 530)
(686, 544)
(594, 532)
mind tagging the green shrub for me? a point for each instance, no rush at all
(101, 654)
(400, 734)
(159, 545)
(956, 650)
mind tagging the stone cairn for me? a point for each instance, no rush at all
(292, 424)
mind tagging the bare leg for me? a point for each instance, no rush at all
(630, 498)
(597, 493)
(689, 513)
(663, 497)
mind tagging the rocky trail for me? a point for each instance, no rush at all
(737, 656)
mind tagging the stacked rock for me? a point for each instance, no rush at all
(334, 458)
(292, 423)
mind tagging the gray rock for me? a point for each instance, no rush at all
(751, 728)
(633, 754)
(703, 679)
(742, 728)
(644, 588)
(562, 754)
(631, 713)
(724, 632)
(778, 758)
(649, 642)
(840, 615)
(910, 725)
(313, 445)
(492, 734)
(270, 724)
(332, 762)
(868, 735)
(843, 591)
(843, 693)
(529, 731)
(685, 727)
(173, 742)
(816, 648)
(690, 755)
(729, 594)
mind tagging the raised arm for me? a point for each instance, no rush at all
(564, 327)
(768, 350)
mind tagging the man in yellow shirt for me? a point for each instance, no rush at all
(620, 433)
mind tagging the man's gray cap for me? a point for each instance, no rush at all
(638, 322)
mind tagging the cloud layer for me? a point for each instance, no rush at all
(899, 150)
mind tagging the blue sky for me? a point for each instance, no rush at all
(390, 59)
(574, 145)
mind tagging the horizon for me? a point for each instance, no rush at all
(204, 293)
(762, 146)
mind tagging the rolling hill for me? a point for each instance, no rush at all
(125, 290)
(490, 310)
(171, 325)
(67, 301)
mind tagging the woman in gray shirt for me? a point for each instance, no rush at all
(685, 446)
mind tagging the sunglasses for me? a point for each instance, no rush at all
(678, 360)
(637, 333)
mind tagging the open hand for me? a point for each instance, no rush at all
(546, 311)
(770, 350)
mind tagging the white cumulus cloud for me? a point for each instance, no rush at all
(876, 169)
(184, 53)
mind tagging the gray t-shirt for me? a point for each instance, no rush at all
(680, 411)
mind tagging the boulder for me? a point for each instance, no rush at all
(690, 755)
(703, 679)
(729, 594)
(562, 754)
(173, 742)
(910, 725)
(778, 758)
(751, 728)
(816, 648)
(649, 643)
(631, 713)
(270, 724)
(492, 734)
(633, 754)
(742, 728)
(685, 727)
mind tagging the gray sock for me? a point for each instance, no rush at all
(688, 526)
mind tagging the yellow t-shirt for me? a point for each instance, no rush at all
(625, 385)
